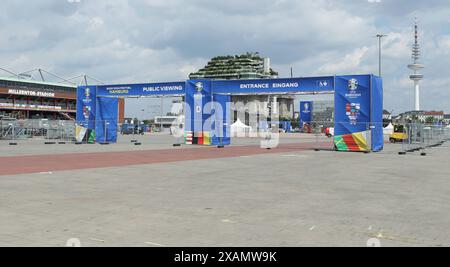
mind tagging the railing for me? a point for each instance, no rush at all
(422, 136)
(47, 129)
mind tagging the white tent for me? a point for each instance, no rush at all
(239, 129)
(389, 129)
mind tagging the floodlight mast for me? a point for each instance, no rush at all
(380, 36)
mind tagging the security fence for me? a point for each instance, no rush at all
(316, 135)
(420, 136)
(11, 129)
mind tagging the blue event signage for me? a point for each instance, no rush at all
(293, 85)
(306, 111)
(169, 88)
(86, 106)
(352, 104)
(358, 100)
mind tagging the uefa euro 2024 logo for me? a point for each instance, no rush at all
(353, 84)
(199, 87)
(87, 93)
(306, 110)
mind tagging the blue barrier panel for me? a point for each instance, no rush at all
(377, 114)
(106, 123)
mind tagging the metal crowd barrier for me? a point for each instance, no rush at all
(46, 129)
(422, 136)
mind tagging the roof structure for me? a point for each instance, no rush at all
(46, 78)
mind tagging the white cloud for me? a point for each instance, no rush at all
(158, 40)
(397, 45)
(349, 63)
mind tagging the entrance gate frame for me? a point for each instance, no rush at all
(362, 93)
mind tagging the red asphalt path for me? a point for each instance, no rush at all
(65, 162)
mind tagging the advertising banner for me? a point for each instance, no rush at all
(293, 85)
(198, 94)
(306, 111)
(150, 89)
(86, 106)
(207, 115)
(352, 113)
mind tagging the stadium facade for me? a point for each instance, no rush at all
(29, 99)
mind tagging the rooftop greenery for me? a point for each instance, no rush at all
(246, 66)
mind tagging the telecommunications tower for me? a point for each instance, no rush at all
(416, 67)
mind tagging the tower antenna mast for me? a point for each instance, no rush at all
(416, 66)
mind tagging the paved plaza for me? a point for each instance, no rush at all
(160, 195)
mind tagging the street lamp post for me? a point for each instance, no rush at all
(380, 36)
(162, 111)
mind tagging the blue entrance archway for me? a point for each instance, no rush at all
(358, 106)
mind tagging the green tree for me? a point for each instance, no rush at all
(429, 120)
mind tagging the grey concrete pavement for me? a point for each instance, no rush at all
(292, 199)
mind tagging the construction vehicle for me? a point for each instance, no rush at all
(399, 134)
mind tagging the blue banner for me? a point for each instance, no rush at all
(377, 114)
(198, 94)
(86, 106)
(294, 85)
(221, 125)
(353, 113)
(107, 120)
(306, 112)
(150, 89)
(206, 114)
(352, 104)
(290, 85)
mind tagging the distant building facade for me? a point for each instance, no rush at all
(437, 116)
(420, 116)
(248, 66)
(447, 119)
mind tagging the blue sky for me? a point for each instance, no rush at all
(164, 40)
